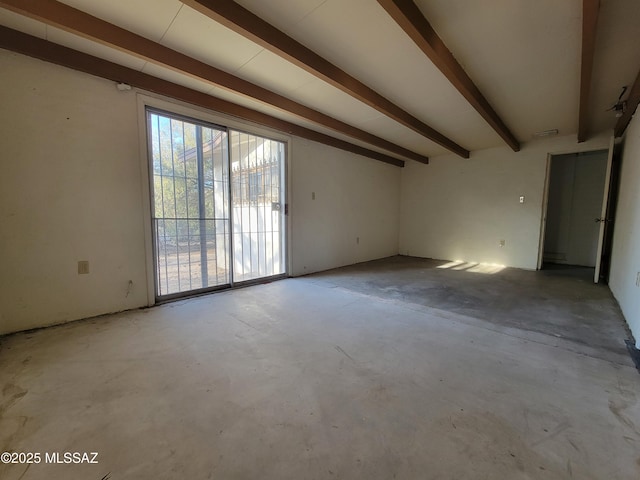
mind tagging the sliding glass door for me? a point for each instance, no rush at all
(218, 205)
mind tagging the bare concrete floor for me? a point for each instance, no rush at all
(330, 377)
(560, 301)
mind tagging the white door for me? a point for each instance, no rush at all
(603, 213)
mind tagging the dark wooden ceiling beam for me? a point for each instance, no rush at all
(409, 17)
(80, 23)
(242, 21)
(54, 53)
(589, 24)
(630, 107)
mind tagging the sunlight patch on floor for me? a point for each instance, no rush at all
(474, 267)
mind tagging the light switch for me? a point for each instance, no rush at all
(522, 199)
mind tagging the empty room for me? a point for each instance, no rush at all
(319, 239)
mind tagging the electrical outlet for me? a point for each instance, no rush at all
(502, 242)
(522, 199)
(83, 267)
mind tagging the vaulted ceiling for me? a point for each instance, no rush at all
(406, 79)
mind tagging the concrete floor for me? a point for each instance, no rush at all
(392, 369)
(560, 301)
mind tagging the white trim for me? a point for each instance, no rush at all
(288, 201)
(585, 149)
(545, 197)
(543, 217)
(146, 199)
(603, 210)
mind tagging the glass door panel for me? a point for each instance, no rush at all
(190, 184)
(258, 206)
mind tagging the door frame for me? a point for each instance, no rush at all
(545, 195)
(612, 208)
(545, 205)
(145, 100)
(603, 210)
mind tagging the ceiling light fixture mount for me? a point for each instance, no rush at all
(621, 105)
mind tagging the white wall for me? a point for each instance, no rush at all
(460, 209)
(355, 197)
(71, 189)
(576, 189)
(625, 260)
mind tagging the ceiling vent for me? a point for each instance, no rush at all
(546, 133)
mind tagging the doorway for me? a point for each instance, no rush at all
(576, 187)
(217, 205)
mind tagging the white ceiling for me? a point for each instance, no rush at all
(523, 55)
